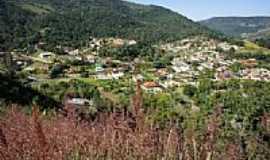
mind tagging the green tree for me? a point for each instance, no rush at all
(57, 70)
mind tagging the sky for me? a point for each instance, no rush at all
(204, 9)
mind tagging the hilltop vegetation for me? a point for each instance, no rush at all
(252, 28)
(71, 23)
(237, 26)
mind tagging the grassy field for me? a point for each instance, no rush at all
(252, 47)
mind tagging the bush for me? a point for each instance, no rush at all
(84, 74)
(57, 70)
(190, 90)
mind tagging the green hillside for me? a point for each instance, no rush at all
(68, 22)
(256, 29)
(237, 26)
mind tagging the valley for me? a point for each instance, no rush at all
(112, 79)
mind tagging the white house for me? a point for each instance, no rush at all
(132, 42)
(226, 46)
(74, 52)
(99, 68)
(117, 74)
(79, 102)
(91, 59)
(29, 69)
(151, 87)
(104, 76)
(46, 55)
(32, 79)
(181, 67)
(2, 54)
(78, 58)
(170, 83)
(137, 77)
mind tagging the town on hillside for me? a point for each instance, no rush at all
(115, 79)
(186, 61)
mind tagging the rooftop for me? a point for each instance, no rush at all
(151, 84)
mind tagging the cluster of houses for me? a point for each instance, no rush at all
(196, 55)
(114, 42)
(103, 70)
(109, 74)
(195, 44)
(249, 72)
(189, 66)
(87, 54)
(151, 87)
(191, 57)
(44, 61)
(258, 74)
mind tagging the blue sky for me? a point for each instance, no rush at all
(203, 9)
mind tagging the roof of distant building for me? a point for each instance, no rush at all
(151, 84)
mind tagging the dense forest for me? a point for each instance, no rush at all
(71, 23)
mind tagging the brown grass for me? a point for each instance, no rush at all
(109, 136)
(112, 136)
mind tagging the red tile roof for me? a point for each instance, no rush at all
(151, 84)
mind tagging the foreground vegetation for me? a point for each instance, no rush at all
(226, 126)
(117, 135)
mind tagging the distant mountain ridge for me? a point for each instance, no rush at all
(237, 26)
(71, 22)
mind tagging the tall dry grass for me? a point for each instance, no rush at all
(112, 136)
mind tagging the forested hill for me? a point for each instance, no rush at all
(237, 26)
(71, 22)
